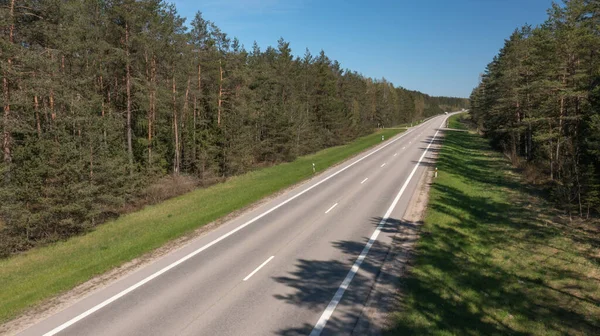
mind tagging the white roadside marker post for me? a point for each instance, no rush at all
(382, 138)
(435, 171)
(314, 169)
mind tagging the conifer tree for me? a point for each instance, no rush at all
(101, 99)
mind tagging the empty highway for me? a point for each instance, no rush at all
(302, 263)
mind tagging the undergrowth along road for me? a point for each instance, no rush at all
(494, 257)
(41, 273)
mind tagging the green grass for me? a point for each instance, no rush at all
(44, 272)
(494, 258)
(456, 121)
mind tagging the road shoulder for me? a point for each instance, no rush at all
(374, 316)
(54, 305)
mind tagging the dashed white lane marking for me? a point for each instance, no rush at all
(346, 283)
(212, 243)
(333, 206)
(382, 165)
(395, 154)
(258, 268)
(365, 180)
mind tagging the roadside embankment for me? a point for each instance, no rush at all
(494, 257)
(35, 276)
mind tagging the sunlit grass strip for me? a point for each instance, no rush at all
(44, 272)
(494, 258)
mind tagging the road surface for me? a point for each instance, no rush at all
(302, 263)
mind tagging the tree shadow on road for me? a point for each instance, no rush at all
(314, 282)
(494, 265)
(503, 266)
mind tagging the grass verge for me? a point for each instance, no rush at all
(41, 273)
(494, 258)
(457, 121)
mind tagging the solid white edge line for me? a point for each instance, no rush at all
(340, 291)
(333, 206)
(365, 180)
(192, 254)
(258, 268)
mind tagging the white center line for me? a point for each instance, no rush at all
(149, 278)
(363, 181)
(337, 297)
(258, 268)
(383, 165)
(333, 206)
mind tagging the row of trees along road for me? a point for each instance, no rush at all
(539, 99)
(102, 98)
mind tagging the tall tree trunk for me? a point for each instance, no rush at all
(176, 163)
(128, 89)
(558, 139)
(196, 112)
(185, 103)
(516, 133)
(6, 138)
(184, 116)
(149, 79)
(52, 111)
(91, 161)
(220, 94)
(199, 81)
(199, 88)
(374, 105)
(103, 107)
(36, 106)
(551, 155)
(529, 142)
(194, 133)
(152, 109)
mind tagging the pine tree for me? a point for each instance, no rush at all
(537, 99)
(112, 96)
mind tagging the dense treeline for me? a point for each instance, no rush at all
(103, 98)
(539, 100)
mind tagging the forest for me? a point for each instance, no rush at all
(109, 105)
(539, 102)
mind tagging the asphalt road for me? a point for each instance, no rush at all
(301, 263)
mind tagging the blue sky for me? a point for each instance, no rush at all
(437, 47)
